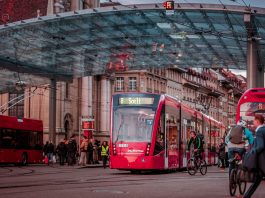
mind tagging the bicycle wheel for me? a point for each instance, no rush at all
(203, 167)
(232, 182)
(191, 167)
(242, 187)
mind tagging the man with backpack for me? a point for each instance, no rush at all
(197, 142)
(237, 138)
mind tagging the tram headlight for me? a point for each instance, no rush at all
(148, 149)
(114, 149)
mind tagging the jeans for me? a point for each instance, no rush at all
(50, 155)
(83, 157)
(231, 155)
(105, 159)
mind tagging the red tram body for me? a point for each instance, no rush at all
(21, 140)
(151, 132)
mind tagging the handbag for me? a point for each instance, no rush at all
(250, 161)
(54, 159)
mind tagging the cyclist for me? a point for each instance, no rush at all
(237, 139)
(197, 145)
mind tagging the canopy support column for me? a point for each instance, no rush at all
(52, 111)
(255, 68)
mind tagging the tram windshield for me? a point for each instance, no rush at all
(249, 110)
(133, 124)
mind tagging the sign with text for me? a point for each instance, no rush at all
(88, 124)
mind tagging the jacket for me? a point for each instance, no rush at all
(248, 136)
(197, 143)
(255, 158)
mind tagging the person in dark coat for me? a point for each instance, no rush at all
(221, 153)
(258, 150)
(90, 150)
(71, 150)
(61, 151)
(50, 150)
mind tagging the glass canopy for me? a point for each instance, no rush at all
(98, 41)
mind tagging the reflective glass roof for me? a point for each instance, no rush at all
(91, 42)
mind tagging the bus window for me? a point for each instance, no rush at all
(7, 138)
(249, 110)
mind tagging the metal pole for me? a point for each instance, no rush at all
(252, 64)
(52, 111)
(79, 133)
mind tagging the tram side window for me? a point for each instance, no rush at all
(7, 138)
(172, 121)
(160, 144)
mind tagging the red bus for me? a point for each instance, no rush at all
(151, 132)
(21, 140)
(251, 102)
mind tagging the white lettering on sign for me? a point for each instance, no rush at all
(135, 151)
(123, 145)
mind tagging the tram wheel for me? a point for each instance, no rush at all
(191, 167)
(203, 167)
(232, 182)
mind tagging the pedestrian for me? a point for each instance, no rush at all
(50, 151)
(83, 151)
(95, 152)
(71, 150)
(221, 153)
(61, 150)
(90, 152)
(105, 153)
(255, 158)
(45, 153)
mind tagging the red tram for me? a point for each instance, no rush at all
(151, 131)
(21, 140)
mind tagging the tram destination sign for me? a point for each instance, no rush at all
(136, 101)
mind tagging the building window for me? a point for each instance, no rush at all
(132, 83)
(18, 108)
(119, 84)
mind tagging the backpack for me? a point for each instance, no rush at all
(236, 135)
(201, 137)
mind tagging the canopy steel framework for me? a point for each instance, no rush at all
(89, 42)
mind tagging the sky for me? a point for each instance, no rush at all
(253, 3)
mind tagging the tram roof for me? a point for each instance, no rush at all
(89, 42)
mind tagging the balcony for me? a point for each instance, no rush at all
(149, 90)
(190, 84)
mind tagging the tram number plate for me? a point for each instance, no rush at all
(123, 145)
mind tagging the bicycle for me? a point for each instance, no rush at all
(195, 163)
(234, 178)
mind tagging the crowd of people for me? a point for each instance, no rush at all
(67, 151)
